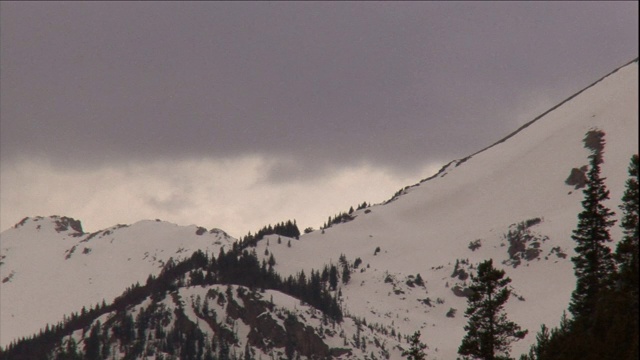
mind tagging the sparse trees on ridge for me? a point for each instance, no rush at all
(288, 229)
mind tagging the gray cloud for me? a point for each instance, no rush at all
(228, 194)
(320, 85)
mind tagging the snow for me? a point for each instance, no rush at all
(432, 225)
(423, 231)
(46, 285)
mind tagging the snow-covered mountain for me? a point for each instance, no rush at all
(515, 202)
(480, 200)
(51, 268)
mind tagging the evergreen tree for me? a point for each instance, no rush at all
(610, 329)
(593, 264)
(416, 350)
(70, 353)
(627, 251)
(538, 349)
(333, 277)
(623, 302)
(489, 332)
(346, 273)
(272, 261)
(92, 344)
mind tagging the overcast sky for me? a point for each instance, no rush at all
(237, 115)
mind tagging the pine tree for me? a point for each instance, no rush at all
(627, 252)
(593, 264)
(333, 277)
(537, 350)
(70, 353)
(624, 329)
(346, 273)
(272, 261)
(92, 343)
(610, 329)
(416, 350)
(489, 333)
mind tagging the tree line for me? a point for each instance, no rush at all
(288, 229)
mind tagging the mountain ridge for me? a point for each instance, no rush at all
(504, 198)
(460, 161)
(71, 253)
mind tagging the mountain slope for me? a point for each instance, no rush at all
(432, 225)
(509, 202)
(51, 268)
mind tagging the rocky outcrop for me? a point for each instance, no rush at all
(270, 330)
(577, 178)
(64, 223)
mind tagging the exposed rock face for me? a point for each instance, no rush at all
(21, 223)
(461, 292)
(524, 244)
(304, 339)
(267, 330)
(577, 178)
(267, 333)
(64, 223)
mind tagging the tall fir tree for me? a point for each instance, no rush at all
(625, 327)
(489, 332)
(610, 331)
(92, 343)
(593, 263)
(416, 349)
(627, 252)
(333, 277)
(537, 350)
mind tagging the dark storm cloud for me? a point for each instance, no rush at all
(323, 84)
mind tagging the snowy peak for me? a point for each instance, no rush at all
(41, 255)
